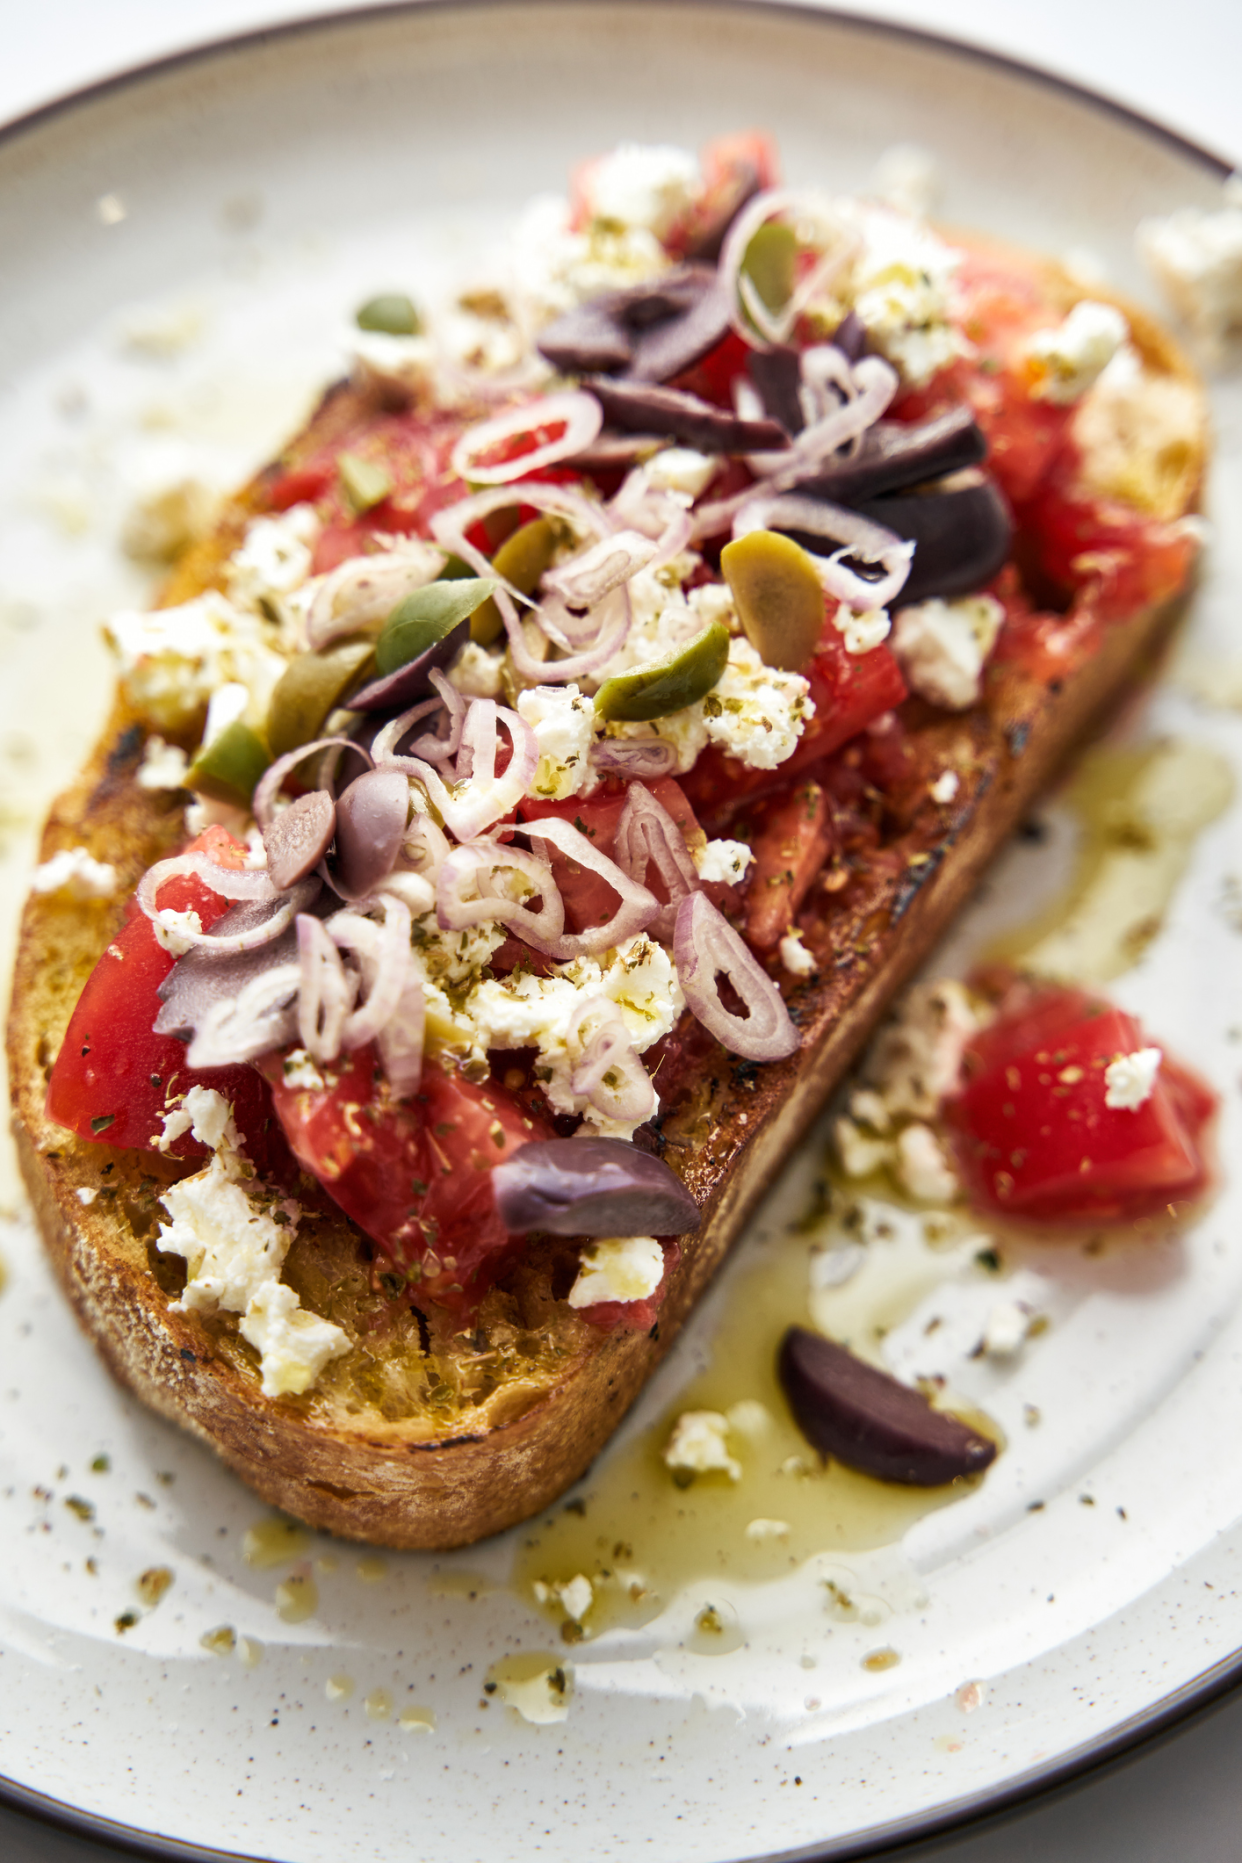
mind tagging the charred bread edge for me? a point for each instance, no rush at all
(448, 1492)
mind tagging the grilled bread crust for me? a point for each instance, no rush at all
(420, 1437)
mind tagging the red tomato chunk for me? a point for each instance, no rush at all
(1034, 1136)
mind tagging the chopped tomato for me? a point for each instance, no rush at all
(114, 1078)
(415, 1175)
(790, 848)
(712, 379)
(1034, 1135)
(849, 690)
(1125, 561)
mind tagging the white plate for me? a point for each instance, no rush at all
(180, 251)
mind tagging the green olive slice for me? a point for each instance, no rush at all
(521, 560)
(230, 766)
(311, 686)
(770, 261)
(667, 685)
(392, 313)
(364, 481)
(778, 596)
(425, 616)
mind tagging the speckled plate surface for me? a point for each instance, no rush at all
(180, 253)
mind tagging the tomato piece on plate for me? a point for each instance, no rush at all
(1034, 1135)
(113, 1076)
(415, 1175)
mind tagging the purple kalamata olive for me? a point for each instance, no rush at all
(587, 340)
(204, 977)
(393, 692)
(591, 1187)
(777, 374)
(297, 839)
(665, 349)
(894, 456)
(869, 1421)
(650, 408)
(850, 336)
(961, 536)
(371, 817)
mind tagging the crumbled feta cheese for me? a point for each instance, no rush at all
(174, 931)
(77, 873)
(945, 787)
(1062, 364)
(293, 1345)
(761, 1530)
(907, 178)
(1130, 1080)
(550, 267)
(387, 361)
(942, 648)
(650, 186)
(699, 1445)
(795, 957)
(723, 861)
(681, 469)
(1196, 256)
(227, 706)
(862, 629)
(563, 722)
(902, 291)
(870, 1109)
(232, 1248)
(756, 712)
(300, 1072)
(173, 659)
(749, 1418)
(923, 1169)
(234, 1251)
(1006, 1329)
(859, 1152)
(1140, 437)
(476, 672)
(917, 1057)
(163, 766)
(86, 1194)
(618, 1268)
(274, 558)
(575, 1596)
(541, 1698)
(206, 1115)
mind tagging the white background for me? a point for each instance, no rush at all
(1180, 64)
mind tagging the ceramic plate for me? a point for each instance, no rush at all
(182, 251)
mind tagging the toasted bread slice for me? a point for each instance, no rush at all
(420, 1436)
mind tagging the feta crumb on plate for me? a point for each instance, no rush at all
(699, 1445)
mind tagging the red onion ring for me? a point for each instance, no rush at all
(774, 328)
(704, 945)
(637, 907)
(254, 1022)
(385, 950)
(401, 1040)
(479, 796)
(368, 588)
(229, 882)
(647, 832)
(585, 579)
(263, 806)
(579, 415)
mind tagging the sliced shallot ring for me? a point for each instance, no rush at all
(585, 579)
(647, 832)
(254, 1022)
(378, 582)
(704, 945)
(579, 415)
(325, 993)
(392, 959)
(774, 328)
(229, 882)
(637, 907)
(290, 905)
(641, 758)
(541, 929)
(264, 803)
(401, 1040)
(610, 1050)
(861, 537)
